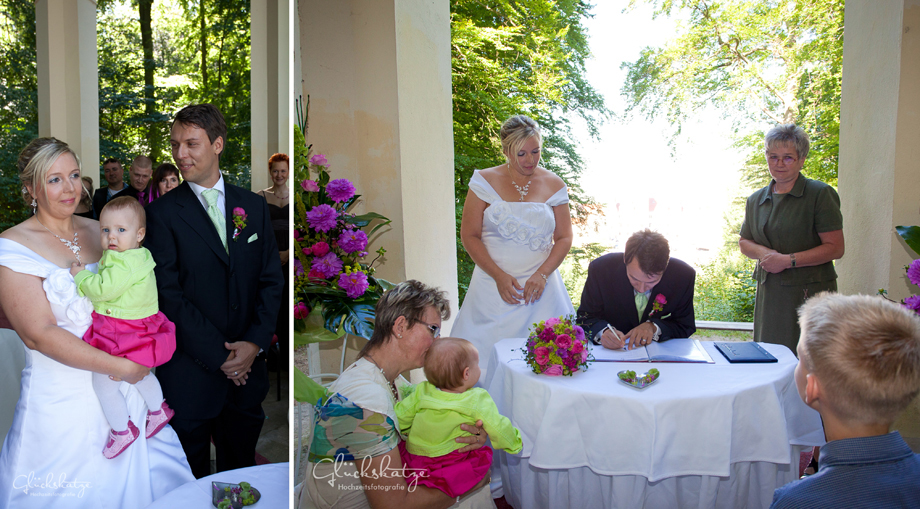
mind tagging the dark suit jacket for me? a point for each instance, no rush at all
(608, 298)
(101, 197)
(213, 297)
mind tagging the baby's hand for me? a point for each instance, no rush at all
(75, 267)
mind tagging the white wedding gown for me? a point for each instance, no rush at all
(52, 455)
(518, 237)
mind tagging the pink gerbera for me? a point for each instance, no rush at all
(322, 218)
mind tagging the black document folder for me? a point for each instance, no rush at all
(746, 351)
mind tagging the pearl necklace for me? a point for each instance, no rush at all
(73, 246)
(382, 372)
(521, 190)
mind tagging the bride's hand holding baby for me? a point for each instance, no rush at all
(132, 372)
(477, 439)
(75, 267)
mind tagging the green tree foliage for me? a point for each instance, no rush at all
(519, 57)
(759, 62)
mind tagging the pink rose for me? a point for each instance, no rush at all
(239, 211)
(320, 249)
(309, 186)
(578, 347)
(563, 341)
(554, 370)
(319, 160)
(542, 355)
(307, 251)
(301, 311)
(661, 299)
(552, 322)
(584, 356)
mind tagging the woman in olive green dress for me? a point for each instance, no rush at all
(794, 229)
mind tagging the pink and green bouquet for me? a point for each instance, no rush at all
(556, 347)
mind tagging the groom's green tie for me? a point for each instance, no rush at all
(217, 217)
(641, 302)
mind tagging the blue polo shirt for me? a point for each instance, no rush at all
(877, 472)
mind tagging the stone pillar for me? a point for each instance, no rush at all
(272, 97)
(879, 181)
(68, 80)
(378, 75)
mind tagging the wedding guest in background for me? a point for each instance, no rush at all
(165, 179)
(114, 176)
(278, 197)
(139, 176)
(794, 229)
(517, 229)
(85, 206)
(58, 427)
(408, 319)
(859, 367)
(641, 294)
(219, 279)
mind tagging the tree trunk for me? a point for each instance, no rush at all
(154, 140)
(204, 46)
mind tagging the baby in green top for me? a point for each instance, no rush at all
(432, 414)
(127, 321)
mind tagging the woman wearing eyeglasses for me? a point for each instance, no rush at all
(794, 229)
(356, 463)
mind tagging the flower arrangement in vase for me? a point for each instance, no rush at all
(911, 236)
(557, 347)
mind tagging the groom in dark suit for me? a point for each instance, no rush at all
(221, 284)
(641, 294)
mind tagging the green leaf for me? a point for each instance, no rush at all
(306, 390)
(911, 236)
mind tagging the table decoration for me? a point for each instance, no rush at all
(236, 496)
(557, 347)
(630, 378)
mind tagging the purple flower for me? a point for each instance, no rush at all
(352, 240)
(354, 284)
(309, 186)
(322, 218)
(319, 160)
(913, 302)
(579, 333)
(913, 272)
(328, 265)
(340, 190)
(298, 268)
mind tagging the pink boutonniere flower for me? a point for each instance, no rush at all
(239, 221)
(659, 303)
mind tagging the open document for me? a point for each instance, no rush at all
(672, 350)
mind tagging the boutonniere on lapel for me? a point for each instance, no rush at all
(239, 221)
(659, 303)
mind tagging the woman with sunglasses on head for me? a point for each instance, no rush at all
(360, 428)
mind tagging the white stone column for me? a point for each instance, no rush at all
(270, 72)
(378, 75)
(68, 79)
(879, 181)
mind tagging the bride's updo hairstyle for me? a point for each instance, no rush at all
(36, 159)
(409, 299)
(445, 361)
(517, 130)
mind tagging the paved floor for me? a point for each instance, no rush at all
(274, 442)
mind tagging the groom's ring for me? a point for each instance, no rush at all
(235, 373)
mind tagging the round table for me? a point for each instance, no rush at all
(703, 435)
(272, 480)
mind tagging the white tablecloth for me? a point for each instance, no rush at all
(704, 435)
(272, 481)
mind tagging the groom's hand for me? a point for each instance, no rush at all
(239, 362)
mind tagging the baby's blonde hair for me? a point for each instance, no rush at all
(445, 361)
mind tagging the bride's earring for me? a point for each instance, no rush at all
(34, 206)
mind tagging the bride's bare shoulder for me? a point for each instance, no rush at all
(18, 233)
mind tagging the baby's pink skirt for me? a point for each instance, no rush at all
(454, 473)
(149, 341)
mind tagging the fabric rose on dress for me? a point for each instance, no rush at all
(340, 190)
(542, 355)
(319, 160)
(913, 302)
(352, 241)
(329, 265)
(913, 272)
(322, 218)
(354, 284)
(554, 370)
(301, 311)
(62, 295)
(309, 186)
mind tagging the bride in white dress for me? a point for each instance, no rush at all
(52, 455)
(517, 229)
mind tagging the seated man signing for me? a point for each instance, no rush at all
(638, 296)
(859, 367)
